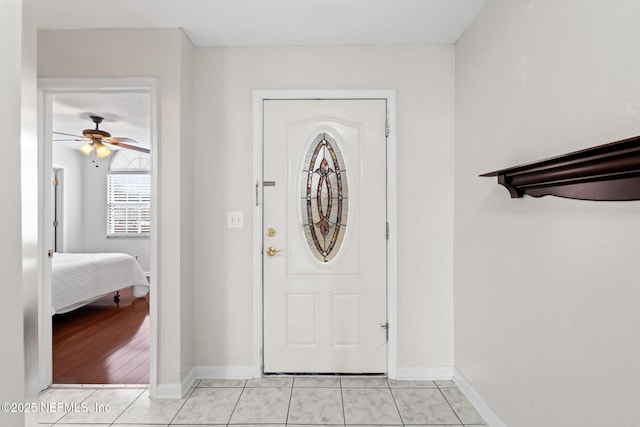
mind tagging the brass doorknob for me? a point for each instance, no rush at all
(271, 251)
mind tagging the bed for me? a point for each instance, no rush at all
(78, 279)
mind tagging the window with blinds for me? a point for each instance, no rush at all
(128, 205)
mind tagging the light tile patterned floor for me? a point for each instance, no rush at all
(273, 401)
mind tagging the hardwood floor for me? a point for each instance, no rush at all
(103, 343)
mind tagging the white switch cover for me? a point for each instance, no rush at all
(235, 219)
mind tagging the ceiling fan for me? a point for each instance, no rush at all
(96, 138)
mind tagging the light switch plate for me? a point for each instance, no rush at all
(235, 219)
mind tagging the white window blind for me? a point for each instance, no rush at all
(128, 205)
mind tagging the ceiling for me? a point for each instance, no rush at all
(126, 114)
(210, 23)
(274, 22)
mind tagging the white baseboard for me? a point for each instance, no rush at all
(168, 391)
(216, 372)
(481, 406)
(224, 372)
(425, 373)
(188, 380)
(178, 391)
(447, 373)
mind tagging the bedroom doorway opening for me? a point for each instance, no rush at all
(97, 308)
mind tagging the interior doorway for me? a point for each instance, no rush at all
(107, 314)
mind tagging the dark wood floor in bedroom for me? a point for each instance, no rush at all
(103, 343)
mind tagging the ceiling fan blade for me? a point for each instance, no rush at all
(68, 134)
(117, 140)
(75, 140)
(130, 147)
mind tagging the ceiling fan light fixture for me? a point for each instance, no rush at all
(87, 149)
(96, 137)
(102, 151)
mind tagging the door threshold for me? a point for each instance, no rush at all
(323, 374)
(131, 386)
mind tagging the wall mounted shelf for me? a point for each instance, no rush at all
(605, 172)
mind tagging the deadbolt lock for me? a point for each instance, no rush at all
(271, 232)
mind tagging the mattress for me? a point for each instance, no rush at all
(78, 279)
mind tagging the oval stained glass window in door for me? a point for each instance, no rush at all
(324, 197)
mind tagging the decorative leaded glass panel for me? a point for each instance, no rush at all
(324, 197)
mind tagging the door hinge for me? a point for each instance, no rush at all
(55, 182)
(387, 230)
(55, 224)
(386, 127)
(50, 253)
(385, 326)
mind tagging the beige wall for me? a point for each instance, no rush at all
(12, 356)
(423, 78)
(164, 54)
(546, 293)
(211, 323)
(30, 186)
(546, 290)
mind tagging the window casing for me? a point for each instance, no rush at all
(128, 205)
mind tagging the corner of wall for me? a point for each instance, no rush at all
(425, 373)
(12, 358)
(481, 406)
(168, 391)
(171, 391)
(187, 147)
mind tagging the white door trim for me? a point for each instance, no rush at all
(47, 88)
(259, 96)
(58, 208)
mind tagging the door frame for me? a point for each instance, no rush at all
(259, 96)
(47, 89)
(58, 207)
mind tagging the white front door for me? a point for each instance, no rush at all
(324, 242)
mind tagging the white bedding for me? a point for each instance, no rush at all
(78, 279)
